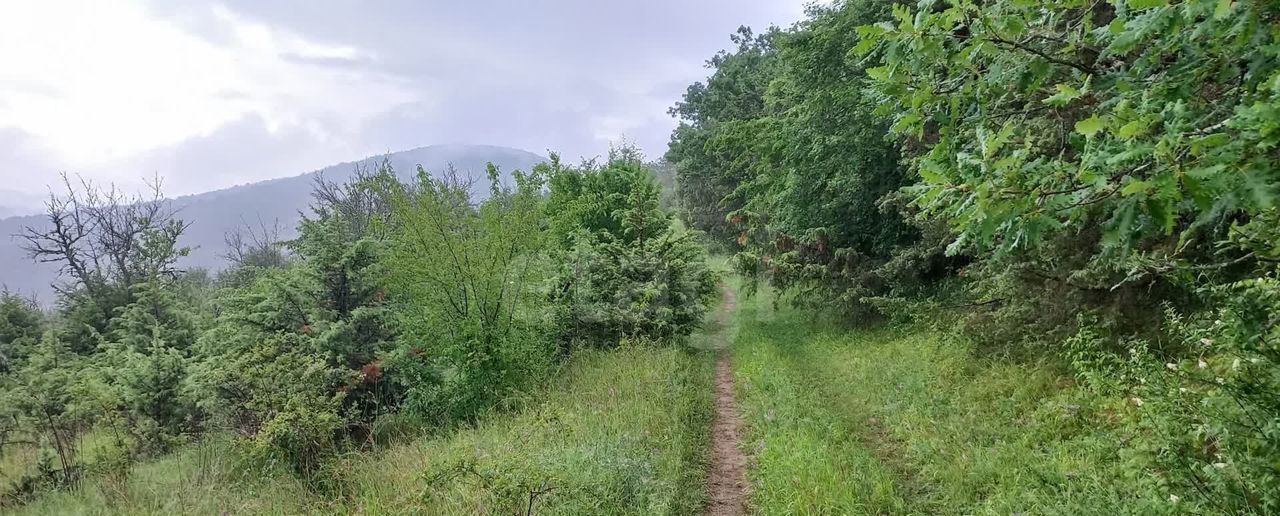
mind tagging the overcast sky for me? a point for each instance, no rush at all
(209, 95)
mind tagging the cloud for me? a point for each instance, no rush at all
(24, 172)
(242, 151)
(213, 94)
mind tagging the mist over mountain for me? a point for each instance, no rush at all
(283, 200)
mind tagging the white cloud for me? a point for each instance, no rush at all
(99, 82)
(212, 94)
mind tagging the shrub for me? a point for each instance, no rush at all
(625, 271)
(463, 278)
(1203, 424)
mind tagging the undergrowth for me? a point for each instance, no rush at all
(903, 421)
(622, 432)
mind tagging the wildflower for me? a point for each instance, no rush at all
(1172, 366)
(1219, 465)
(1202, 364)
(1137, 401)
(1174, 498)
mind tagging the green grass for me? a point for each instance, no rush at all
(850, 421)
(20, 460)
(204, 478)
(622, 432)
(625, 434)
(837, 421)
(17, 460)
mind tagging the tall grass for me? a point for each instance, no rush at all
(622, 432)
(202, 478)
(849, 421)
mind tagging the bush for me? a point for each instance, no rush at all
(625, 270)
(463, 278)
(1204, 424)
(1214, 416)
(617, 292)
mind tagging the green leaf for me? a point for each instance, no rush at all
(1132, 129)
(1260, 190)
(1089, 126)
(1161, 211)
(930, 175)
(907, 121)
(1135, 186)
(1208, 142)
(1119, 227)
(1147, 4)
(1222, 10)
(1066, 94)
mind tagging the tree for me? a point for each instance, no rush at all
(45, 395)
(1033, 122)
(1099, 160)
(462, 275)
(735, 93)
(105, 243)
(785, 136)
(259, 247)
(294, 361)
(625, 270)
(21, 324)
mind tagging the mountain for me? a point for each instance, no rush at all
(213, 214)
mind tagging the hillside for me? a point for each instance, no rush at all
(997, 257)
(213, 214)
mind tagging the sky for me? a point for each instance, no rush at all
(206, 95)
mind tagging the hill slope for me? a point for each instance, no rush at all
(213, 214)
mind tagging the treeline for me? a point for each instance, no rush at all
(397, 304)
(1091, 182)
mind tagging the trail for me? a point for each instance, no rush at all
(726, 480)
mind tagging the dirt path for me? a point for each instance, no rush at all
(726, 480)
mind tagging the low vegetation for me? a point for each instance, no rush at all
(419, 306)
(1085, 186)
(618, 432)
(1007, 257)
(904, 420)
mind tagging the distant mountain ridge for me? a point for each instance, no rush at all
(213, 214)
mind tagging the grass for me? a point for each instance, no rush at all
(204, 478)
(902, 421)
(838, 421)
(625, 434)
(622, 432)
(21, 459)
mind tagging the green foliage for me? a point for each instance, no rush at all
(784, 138)
(143, 393)
(625, 271)
(21, 324)
(1042, 120)
(619, 292)
(464, 279)
(622, 432)
(293, 362)
(392, 296)
(44, 395)
(905, 420)
(1207, 420)
(1112, 158)
(709, 176)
